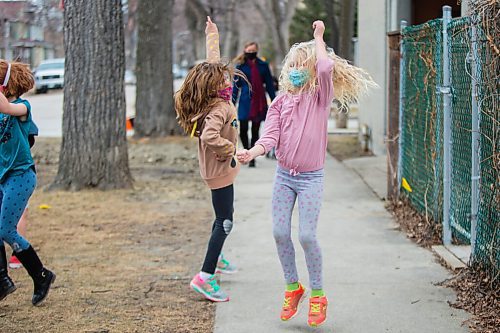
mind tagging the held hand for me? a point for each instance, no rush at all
(319, 29)
(211, 27)
(244, 156)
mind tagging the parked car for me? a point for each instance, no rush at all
(49, 75)
(129, 77)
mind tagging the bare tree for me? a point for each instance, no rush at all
(230, 38)
(196, 14)
(94, 147)
(278, 15)
(332, 23)
(348, 10)
(130, 11)
(154, 107)
(224, 13)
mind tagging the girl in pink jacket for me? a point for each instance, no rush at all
(296, 125)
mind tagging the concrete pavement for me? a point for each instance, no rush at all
(376, 280)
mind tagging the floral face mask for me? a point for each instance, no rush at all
(298, 77)
(226, 93)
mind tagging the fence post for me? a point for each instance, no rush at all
(446, 91)
(475, 137)
(403, 25)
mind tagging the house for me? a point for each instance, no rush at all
(25, 35)
(375, 19)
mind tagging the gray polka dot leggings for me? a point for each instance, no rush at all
(15, 192)
(308, 188)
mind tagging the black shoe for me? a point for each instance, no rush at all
(6, 284)
(252, 164)
(42, 277)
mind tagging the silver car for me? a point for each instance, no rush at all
(49, 75)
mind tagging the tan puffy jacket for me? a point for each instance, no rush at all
(217, 146)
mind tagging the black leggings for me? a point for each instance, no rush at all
(244, 133)
(222, 200)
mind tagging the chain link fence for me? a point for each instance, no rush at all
(474, 68)
(421, 146)
(488, 218)
(461, 124)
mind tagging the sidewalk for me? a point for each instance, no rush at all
(377, 280)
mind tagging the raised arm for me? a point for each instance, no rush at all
(212, 41)
(319, 30)
(324, 67)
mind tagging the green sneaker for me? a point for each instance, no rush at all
(225, 267)
(209, 289)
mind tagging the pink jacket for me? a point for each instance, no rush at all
(297, 124)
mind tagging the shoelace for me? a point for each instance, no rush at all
(315, 307)
(225, 263)
(213, 283)
(286, 302)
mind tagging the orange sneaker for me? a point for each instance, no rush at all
(317, 310)
(292, 302)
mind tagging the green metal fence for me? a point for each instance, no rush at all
(422, 118)
(421, 137)
(488, 223)
(461, 124)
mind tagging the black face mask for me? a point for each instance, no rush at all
(250, 55)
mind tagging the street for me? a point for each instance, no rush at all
(48, 109)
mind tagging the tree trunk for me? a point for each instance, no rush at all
(196, 15)
(231, 33)
(94, 147)
(345, 45)
(131, 34)
(278, 15)
(331, 23)
(342, 118)
(154, 115)
(280, 44)
(346, 28)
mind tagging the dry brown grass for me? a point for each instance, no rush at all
(123, 258)
(344, 147)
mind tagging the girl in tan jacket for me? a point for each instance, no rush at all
(204, 109)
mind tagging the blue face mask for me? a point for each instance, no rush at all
(298, 77)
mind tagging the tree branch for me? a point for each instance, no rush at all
(264, 13)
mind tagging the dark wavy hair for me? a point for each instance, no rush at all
(199, 93)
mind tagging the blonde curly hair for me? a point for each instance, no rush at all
(349, 82)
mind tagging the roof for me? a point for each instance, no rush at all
(14, 10)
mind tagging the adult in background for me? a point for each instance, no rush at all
(252, 101)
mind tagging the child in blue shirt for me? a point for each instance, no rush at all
(17, 178)
(14, 263)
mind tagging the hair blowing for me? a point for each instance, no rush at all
(349, 82)
(21, 79)
(199, 93)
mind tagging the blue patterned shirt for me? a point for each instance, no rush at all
(15, 155)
